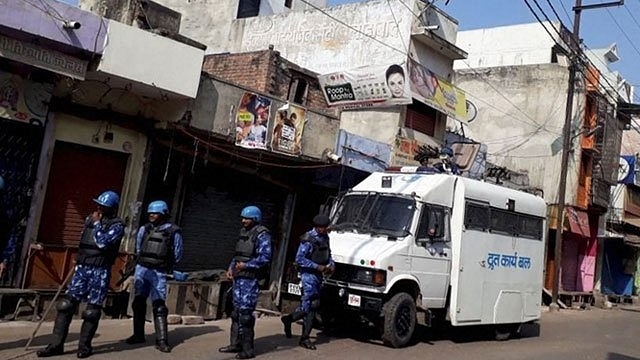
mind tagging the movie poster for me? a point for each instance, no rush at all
(287, 132)
(252, 121)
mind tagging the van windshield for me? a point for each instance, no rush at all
(374, 213)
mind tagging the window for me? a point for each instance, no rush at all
(500, 221)
(476, 217)
(432, 223)
(421, 118)
(503, 221)
(530, 226)
(298, 91)
(288, 3)
(248, 8)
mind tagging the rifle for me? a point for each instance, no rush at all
(129, 270)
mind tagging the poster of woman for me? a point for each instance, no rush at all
(252, 120)
(287, 132)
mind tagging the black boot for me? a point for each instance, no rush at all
(287, 320)
(234, 337)
(66, 309)
(139, 307)
(247, 322)
(162, 331)
(88, 330)
(307, 324)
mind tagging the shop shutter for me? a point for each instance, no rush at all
(211, 222)
(78, 174)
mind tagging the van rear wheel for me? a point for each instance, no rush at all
(399, 320)
(506, 331)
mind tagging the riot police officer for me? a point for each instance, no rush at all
(252, 256)
(313, 259)
(158, 248)
(97, 251)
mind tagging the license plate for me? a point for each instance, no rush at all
(354, 300)
(294, 289)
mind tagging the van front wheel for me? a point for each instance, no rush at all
(399, 320)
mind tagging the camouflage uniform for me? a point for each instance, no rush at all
(90, 284)
(245, 296)
(313, 256)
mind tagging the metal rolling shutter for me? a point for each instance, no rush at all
(211, 222)
(78, 174)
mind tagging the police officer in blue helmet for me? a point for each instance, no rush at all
(98, 249)
(447, 162)
(252, 256)
(314, 261)
(158, 248)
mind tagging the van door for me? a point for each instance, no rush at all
(431, 255)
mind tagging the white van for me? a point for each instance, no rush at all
(408, 243)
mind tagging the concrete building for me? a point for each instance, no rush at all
(340, 38)
(86, 93)
(517, 77)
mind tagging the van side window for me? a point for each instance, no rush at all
(432, 223)
(476, 216)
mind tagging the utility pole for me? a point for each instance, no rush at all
(574, 59)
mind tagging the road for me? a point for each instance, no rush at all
(570, 334)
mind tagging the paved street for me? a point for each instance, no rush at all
(591, 335)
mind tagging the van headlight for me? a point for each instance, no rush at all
(370, 277)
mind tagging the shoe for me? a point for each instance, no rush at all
(244, 355)
(230, 349)
(307, 344)
(135, 339)
(163, 346)
(50, 350)
(286, 321)
(84, 353)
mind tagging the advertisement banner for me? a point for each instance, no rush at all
(405, 150)
(437, 93)
(367, 86)
(24, 100)
(287, 132)
(252, 121)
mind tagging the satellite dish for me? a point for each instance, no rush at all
(624, 169)
(472, 111)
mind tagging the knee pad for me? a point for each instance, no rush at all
(92, 313)
(246, 318)
(66, 306)
(139, 304)
(315, 304)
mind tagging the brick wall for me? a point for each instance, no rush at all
(267, 72)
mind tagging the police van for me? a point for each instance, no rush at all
(409, 244)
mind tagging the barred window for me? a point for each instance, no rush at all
(530, 226)
(503, 221)
(476, 217)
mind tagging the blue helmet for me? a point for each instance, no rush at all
(446, 151)
(252, 212)
(158, 207)
(108, 199)
(1, 183)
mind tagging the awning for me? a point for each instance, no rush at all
(632, 240)
(575, 220)
(578, 221)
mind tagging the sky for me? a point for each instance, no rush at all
(598, 29)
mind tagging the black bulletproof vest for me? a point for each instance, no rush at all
(246, 248)
(320, 252)
(90, 254)
(156, 250)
